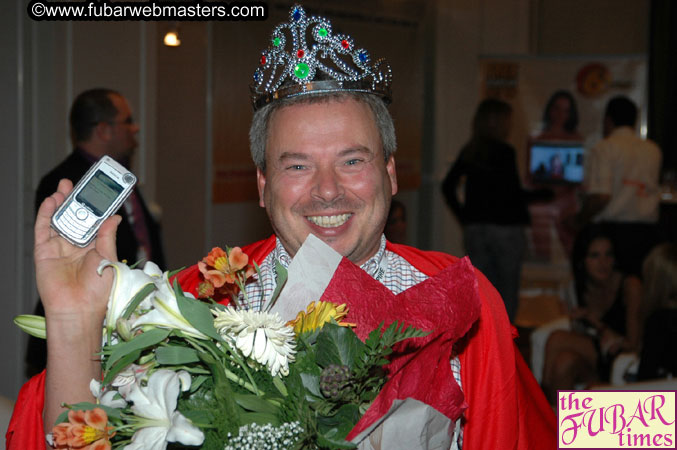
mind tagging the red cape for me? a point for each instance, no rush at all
(506, 407)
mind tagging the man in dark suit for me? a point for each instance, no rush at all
(101, 123)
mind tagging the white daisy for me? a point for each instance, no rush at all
(259, 335)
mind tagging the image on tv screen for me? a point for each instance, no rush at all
(551, 162)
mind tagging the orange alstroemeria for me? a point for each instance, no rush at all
(223, 270)
(85, 430)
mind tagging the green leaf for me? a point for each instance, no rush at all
(120, 365)
(175, 355)
(281, 280)
(336, 428)
(312, 385)
(33, 325)
(140, 342)
(138, 298)
(196, 313)
(279, 384)
(199, 418)
(172, 273)
(259, 418)
(254, 403)
(207, 359)
(136, 264)
(337, 345)
(197, 382)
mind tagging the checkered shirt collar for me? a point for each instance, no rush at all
(371, 266)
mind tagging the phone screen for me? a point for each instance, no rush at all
(99, 193)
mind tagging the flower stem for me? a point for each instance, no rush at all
(251, 388)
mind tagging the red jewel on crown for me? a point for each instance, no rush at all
(263, 60)
(300, 53)
(345, 44)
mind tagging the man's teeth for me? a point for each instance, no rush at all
(329, 221)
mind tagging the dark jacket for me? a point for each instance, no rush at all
(493, 192)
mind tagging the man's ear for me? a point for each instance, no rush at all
(390, 168)
(103, 131)
(261, 184)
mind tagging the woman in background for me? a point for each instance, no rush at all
(494, 212)
(605, 321)
(560, 123)
(560, 118)
(659, 344)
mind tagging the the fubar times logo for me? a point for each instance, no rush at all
(616, 419)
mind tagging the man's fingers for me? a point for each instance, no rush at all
(65, 187)
(105, 239)
(47, 210)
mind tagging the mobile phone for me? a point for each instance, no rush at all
(97, 196)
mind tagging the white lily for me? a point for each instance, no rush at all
(165, 312)
(108, 397)
(155, 408)
(126, 284)
(121, 384)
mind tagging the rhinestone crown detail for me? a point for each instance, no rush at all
(306, 56)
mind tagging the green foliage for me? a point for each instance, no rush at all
(140, 342)
(331, 382)
(174, 355)
(337, 345)
(196, 313)
(138, 298)
(212, 404)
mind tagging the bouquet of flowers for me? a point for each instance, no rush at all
(186, 371)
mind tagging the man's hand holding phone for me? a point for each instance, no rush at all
(75, 298)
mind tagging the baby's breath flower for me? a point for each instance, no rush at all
(256, 437)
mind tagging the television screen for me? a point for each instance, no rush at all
(556, 162)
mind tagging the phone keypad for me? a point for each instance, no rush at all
(81, 213)
(74, 218)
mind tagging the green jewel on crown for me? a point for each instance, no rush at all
(306, 56)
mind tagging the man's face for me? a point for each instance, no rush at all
(123, 130)
(326, 175)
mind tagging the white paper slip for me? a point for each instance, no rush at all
(308, 276)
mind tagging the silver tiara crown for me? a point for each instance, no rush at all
(305, 56)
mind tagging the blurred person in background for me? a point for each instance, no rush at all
(604, 321)
(560, 118)
(494, 212)
(560, 123)
(622, 186)
(396, 225)
(659, 343)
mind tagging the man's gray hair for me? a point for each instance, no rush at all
(258, 132)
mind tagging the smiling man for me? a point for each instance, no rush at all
(323, 143)
(326, 173)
